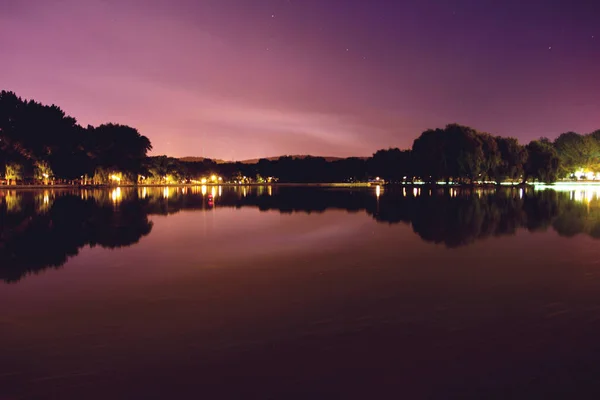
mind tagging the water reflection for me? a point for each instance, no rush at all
(33, 238)
(41, 229)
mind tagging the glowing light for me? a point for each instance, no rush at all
(46, 198)
(415, 192)
(220, 191)
(166, 193)
(116, 195)
(578, 191)
(590, 176)
(203, 181)
(45, 176)
(213, 191)
(378, 191)
(213, 178)
(115, 178)
(203, 190)
(521, 193)
(270, 190)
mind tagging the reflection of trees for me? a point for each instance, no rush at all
(452, 217)
(457, 221)
(540, 210)
(31, 242)
(577, 217)
(46, 228)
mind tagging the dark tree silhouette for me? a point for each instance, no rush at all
(119, 148)
(45, 142)
(543, 163)
(392, 164)
(512, 161)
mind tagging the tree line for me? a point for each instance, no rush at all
(456, 153)
(40, 144)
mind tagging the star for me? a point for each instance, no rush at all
(550, 48)
(272, 15)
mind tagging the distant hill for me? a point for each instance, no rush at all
(200, 159)
(255, 160)
(295, 157)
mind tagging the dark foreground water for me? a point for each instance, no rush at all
(299, 293)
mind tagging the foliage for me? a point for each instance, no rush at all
(42, 171)
(512, 160)
(578, 153)
(393, 165)
(43, 140)
(456, 153)
(543, 163)
(13, 172)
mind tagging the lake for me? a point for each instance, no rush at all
(297, 292)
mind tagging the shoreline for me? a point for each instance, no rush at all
(64, 186)
(322, 185)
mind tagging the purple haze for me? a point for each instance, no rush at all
(237, 79)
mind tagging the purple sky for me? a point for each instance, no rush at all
(237, 79)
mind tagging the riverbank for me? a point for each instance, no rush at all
(323, 185)
(60, 186)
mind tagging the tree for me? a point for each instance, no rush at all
(42, 173)
(578, 153)
(13, 173)
(392, 164)
(456, 152)
(430, 159)
(543, 163)
(117, 147)
(465, 152)
(491, 154)
(513, 157)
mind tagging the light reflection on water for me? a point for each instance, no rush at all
(328, 286)
(452, 216)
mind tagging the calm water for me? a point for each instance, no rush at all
(299, 293)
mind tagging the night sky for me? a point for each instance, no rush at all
(238, 79)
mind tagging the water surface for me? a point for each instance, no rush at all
(282, 292)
